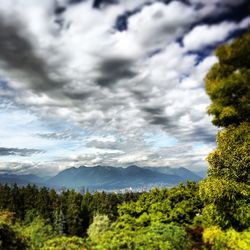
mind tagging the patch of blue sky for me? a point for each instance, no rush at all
(198, 145)
(19, 128)
(23, 129)
(159, 140)
(16, 121)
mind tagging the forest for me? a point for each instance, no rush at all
(211, 214)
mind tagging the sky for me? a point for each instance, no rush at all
(115, 82)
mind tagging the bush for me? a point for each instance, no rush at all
(227, 203)
(10, 238)
(157, 236)
(38, 232)
(100, 224)
(64, 243)
(230, 240)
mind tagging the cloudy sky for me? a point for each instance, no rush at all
(113, 82)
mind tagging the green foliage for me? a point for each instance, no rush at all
(101, 223)
(11, 237)
(180, 204)
(226, 193)
(105, 203)
(64, 243)
(156, 236)
(231, 159)
(227, 83)
(74, 214)
(69, 213)
(60, 222)
(230, 240)
(37, 232)
(227, 203)
(154, 221)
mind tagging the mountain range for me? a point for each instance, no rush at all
(107, 178)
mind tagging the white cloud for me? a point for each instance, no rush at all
(110, 87)
(196, 78)
(201, 36)
(208, 35)
(158, 24)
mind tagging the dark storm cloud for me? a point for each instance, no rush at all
(18, 54)
(19, 151)
(153, 110)
(98, 3)
(195, 134)
(140, 95)
(202, 134)
(113, 70)
(78, 95)
(76, 1)
(156, 116)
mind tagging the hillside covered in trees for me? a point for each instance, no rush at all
(211, 214)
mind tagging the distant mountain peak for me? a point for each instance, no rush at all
(107, 177)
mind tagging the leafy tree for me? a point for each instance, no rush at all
(231, 239)
(180, 204)
(227, 83)
(101, 223)
(38, 232)
(148, 222)
(227, 203)
(231, 159)
(11, 237)
(156, 236)
(226, 193)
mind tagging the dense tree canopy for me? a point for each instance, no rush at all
(231, 159)
(227, 83)
(226, 193)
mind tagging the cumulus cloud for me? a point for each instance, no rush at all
(158, 24)
(66, 61)
(208, 35)
(29, 167)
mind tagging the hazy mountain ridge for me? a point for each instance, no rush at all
(182, 172)
(111, 177)
(107, 177)
(10, 178)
